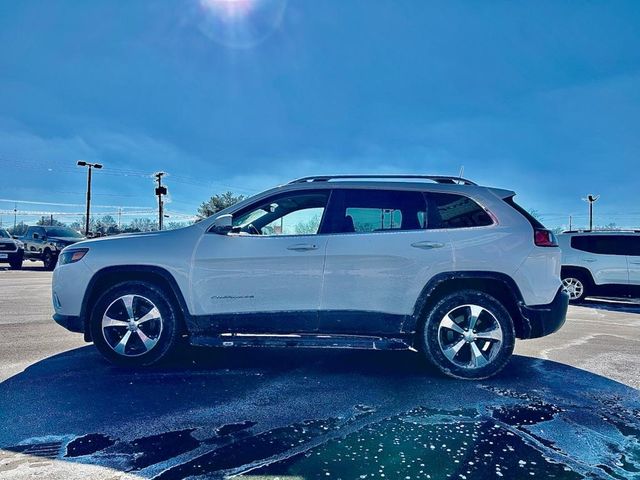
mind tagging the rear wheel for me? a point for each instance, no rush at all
(49, 259)
(469, 335)
(133, 324)
(576, 285)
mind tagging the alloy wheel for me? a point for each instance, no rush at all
(574, 287)
(470, 336)
(132, 325)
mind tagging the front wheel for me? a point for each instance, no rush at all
(468, 335)
(133, 324)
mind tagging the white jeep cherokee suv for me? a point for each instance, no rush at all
(436, 264)
(605, 263)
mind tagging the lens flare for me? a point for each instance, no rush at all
(240, 23)
(229, 10)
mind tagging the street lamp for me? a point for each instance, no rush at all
(90, 166)
(591, 199)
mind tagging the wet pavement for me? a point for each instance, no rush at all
(307, 414)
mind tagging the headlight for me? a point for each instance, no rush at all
(72, 256)
(60, 245)
(19, 244)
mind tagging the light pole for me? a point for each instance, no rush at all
(591, 199)
(160, 191)
(90, 166)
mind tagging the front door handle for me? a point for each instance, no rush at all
(589, 259)
(634, 262)
(302, 247)
(427, 245)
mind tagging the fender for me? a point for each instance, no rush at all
(123, 273)
(437, 281)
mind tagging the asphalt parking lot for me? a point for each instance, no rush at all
(567, 406)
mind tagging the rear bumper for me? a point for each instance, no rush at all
(542, 320)
(71, 323)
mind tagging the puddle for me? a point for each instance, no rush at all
(523, 415)
(234, 427)
(88, 444)
(251, 449)
(411, 447)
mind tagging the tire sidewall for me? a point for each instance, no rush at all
(429, 334)
(168, 336)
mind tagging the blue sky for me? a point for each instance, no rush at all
(539, 97)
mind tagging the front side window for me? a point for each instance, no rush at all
(290, 214)
(449, 210)
(368, 211)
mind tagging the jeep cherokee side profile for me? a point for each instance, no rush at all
(435, 264)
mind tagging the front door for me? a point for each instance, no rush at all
(265, 276)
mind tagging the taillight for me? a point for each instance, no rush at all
(544, 238)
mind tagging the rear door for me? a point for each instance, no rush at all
(605, 256)
(379, 256)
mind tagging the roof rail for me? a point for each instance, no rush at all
(436, 178)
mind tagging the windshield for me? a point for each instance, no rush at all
(4, 233)
(62, 232)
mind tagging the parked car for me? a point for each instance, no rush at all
(45, 243)
(435, 264)
(11, 250)
(603, 263)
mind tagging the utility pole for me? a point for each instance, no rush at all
(570, 218)
(15, 215)
(119, 217)
(591, 199)
(160, 191)
(82, 163)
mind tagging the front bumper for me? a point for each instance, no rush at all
(15, 256)
(71, 323)
(542, 320)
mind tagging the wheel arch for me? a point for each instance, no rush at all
(499, 285)
(110, 276)
(573, 269)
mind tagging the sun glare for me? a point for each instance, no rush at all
(240, 23)
(229, 10)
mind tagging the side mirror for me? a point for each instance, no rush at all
(223, 224)
(36, 236)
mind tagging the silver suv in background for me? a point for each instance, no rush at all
(603, 263)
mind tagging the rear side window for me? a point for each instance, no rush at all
(448, 210)
(366, 211)
(607, 244)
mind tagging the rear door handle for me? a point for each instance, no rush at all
(302, 247)
(634, 262)
(427, 245)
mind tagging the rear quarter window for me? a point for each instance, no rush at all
(449, 210)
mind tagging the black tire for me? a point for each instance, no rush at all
(584, 280)
(166, 336)
(434, 337)
(16, 264)
(49, 259)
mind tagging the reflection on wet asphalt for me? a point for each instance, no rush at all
(308, 414)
